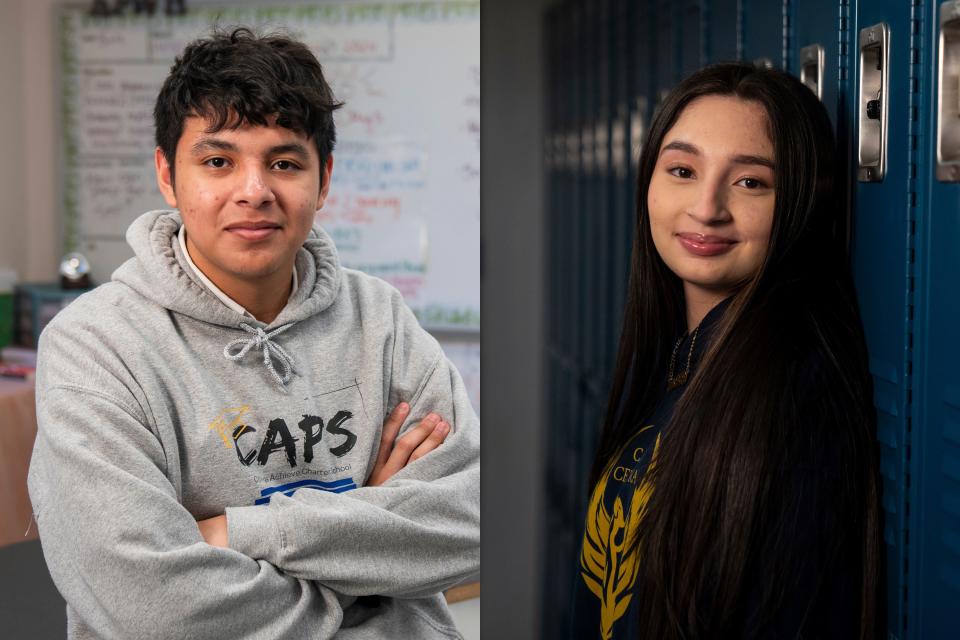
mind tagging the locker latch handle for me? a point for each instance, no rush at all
(811, 68)
(948, 94)
(874, 45)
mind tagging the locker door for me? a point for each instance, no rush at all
(817, 27)
(621, 73)
(722, 30)
(762, 31)
(883, 107)
(643, 87)
(605, 201)
(562, 485)
(587, 211)
(665, 62)
(935, 561)
(690, 22)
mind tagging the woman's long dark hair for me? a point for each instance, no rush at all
(785, 379)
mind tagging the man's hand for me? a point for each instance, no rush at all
(214, 530)
(395, 454)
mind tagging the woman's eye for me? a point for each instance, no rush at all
(751, 183)
(216, 163)
(681, 172)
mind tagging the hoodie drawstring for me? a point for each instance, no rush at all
(263, 340)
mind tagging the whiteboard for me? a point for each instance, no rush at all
(404, 201)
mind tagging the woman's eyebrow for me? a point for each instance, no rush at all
(748, 159)
(686, 147)
(680, 145)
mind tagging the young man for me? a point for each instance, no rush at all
(209, 461)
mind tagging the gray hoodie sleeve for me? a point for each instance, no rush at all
(417, 534)
(127, 557)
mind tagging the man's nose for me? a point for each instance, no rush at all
(254, 189)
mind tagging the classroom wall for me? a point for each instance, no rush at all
(12, 220)
(29, 167)
(42, 162)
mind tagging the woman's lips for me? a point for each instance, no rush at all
(700, 245)
(253, 234)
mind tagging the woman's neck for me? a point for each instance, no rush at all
(699, 302)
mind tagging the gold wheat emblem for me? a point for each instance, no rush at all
(607, 567)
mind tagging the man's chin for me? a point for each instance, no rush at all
(255, 273)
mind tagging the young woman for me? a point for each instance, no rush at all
(734, 493)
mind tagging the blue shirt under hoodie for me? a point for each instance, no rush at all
(158, 405)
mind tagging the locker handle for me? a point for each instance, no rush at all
(948, 94)
(874, 45)
(811, 68)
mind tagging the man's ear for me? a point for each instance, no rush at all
(325, 188)
(163, 177)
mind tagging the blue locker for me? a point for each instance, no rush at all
(816, 29)
(615, 59)
(762, 29)
(721, 30)
(584, 257)
(561, 450)
(934, 578)
(690, 14)
(643, 89)
(665, 61)
(884, 180)
(604, 201)
(621, 208)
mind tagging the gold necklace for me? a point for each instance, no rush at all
(675, 381)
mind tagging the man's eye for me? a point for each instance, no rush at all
(286, 165)
(216, 163)
(681, 172)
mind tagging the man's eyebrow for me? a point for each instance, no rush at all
(686, 147)
(294, 148)
(212, 144)
(215, 144)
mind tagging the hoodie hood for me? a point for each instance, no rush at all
(159, 272)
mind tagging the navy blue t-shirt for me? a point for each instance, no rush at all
(604, 587)
(818, 605)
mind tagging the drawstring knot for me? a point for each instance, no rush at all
(262, 340)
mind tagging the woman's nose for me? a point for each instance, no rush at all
(710, 204)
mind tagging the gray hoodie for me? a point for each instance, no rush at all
(158, 406)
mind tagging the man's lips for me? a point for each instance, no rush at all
(704, 245)
(253, 230)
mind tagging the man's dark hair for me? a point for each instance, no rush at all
(241, 78)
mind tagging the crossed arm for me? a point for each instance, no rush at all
(392, 456)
